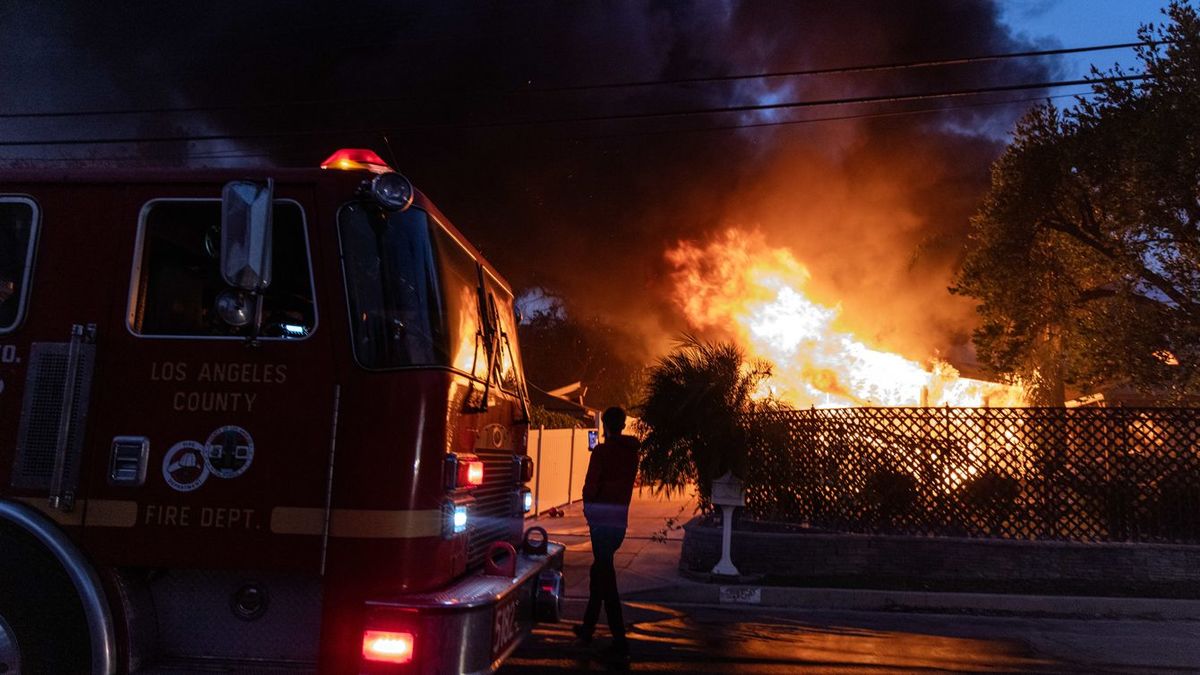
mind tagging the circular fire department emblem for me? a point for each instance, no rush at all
(495, 434)
(184, 466)
(229, 452)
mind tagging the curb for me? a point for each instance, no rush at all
(861, 600)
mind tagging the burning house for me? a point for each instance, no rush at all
(737, 285)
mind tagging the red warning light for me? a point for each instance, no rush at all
(351, 159)
(474, 473)
(388, 646)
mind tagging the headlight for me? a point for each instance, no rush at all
(455, 517)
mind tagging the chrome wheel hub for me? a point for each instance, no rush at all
(10, 653)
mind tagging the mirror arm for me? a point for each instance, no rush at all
(487, 389)
(487, 333)
(522, 391)
(256, 325)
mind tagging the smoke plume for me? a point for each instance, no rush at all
(468, 95)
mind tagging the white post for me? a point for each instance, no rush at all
(727, 494)
(570, 466)
(537, 480)
(725, 567)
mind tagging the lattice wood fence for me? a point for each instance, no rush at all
(1081, 474)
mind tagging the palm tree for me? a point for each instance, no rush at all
(697, 414)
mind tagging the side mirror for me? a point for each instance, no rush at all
(246, 209)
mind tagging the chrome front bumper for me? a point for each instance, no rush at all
(454, 626)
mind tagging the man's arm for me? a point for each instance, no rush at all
(594, 477)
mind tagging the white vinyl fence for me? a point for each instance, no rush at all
(560, 459)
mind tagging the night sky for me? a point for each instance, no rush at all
(476, 100)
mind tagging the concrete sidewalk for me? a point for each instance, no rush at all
(648, 571)
(648, 560)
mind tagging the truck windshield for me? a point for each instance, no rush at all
(396, 315)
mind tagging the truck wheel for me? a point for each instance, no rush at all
(42, 625)
(10, 655)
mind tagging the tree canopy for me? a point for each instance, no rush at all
(1085, 255)
(561, 347)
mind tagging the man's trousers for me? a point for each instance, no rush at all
(603, 587)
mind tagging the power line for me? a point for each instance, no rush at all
(193, 137)
(103, 112)
(758, 107)
(838, 70)
(789, 105)
(837, 118)
(241, 154)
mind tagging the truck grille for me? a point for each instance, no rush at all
(494, 514)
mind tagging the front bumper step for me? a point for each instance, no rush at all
(474, 624)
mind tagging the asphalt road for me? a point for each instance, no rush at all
(721, 639)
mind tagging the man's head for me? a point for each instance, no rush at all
(613, 420)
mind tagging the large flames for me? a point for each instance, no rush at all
(738, 285)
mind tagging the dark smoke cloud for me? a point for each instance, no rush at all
(874, 206)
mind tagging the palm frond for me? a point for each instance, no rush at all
(696, 412)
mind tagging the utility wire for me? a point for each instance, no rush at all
(102, 112)
(791, 105)
(788, 105)
(240, 154)
(838, 70)
(837, 118)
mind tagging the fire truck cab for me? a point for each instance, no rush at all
(271, 420)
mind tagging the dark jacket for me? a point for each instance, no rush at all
(608, 486)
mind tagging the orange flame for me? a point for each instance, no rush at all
(739, 285)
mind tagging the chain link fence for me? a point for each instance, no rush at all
(1074, 474)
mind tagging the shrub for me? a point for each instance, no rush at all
(697, 414)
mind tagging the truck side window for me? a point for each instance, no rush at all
(460, 287)
(509, 357)
(179, 275)
(18, 229)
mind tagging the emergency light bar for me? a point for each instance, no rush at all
(350, 159)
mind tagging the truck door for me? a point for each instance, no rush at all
(215, 415)
(55, 282)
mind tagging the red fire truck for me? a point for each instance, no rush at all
(270, 420)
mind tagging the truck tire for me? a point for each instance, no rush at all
(41, 616)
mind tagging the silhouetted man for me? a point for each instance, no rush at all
(606, 494)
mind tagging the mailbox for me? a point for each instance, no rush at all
(727, 494)
(727, 491)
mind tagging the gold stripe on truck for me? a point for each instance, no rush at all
(90, 512)
(111, 513)
(357, 523)
(73, 517)
(344, 523)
